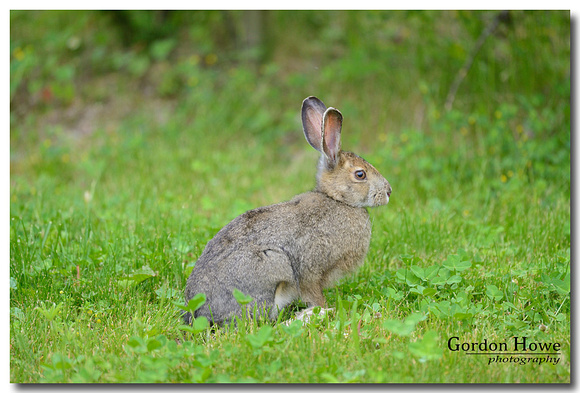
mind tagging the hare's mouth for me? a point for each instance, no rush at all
(389, 190)
(387, 196)
(379, 198)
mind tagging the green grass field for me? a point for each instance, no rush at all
(126, 160)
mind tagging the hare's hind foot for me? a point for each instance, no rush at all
(306, 315)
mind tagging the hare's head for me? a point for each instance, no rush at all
(343, 176)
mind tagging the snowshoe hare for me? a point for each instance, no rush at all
(279, 253)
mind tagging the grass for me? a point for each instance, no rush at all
(106, 225)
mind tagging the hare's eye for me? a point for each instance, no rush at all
(360, 174)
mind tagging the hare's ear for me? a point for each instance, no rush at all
(331, 127)
(312, 113)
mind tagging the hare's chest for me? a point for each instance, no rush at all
(353, 235)
(346, 264)
(349, 252)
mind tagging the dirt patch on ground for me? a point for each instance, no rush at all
(86, 113)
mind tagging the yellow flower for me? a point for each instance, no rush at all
(211, 59)
(498, 114)
(18, 54)
(503, 178)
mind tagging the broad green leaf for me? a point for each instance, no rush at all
(241, 298)
(294, 329)
(444, 308)
(454, 263)
(438, 280)
(406, 327)
(193, 304)
(125, 283)
(418, 271)
(262, 337)
(408, 277)
(392, 293)
(493, 292)
(199, 325)
(61, 362)
(431, 272)
(425, 274)
(463, 255)
(455, 279)
(136, 277)
(462, 315)
(153, 344)
(135, 342)
(429, 292)
(561, 286)
(329, 378)
(426, 348)
(142, 274)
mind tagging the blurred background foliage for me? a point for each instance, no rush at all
(404, 54)
(106, 90)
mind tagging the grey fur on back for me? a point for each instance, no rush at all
(294, 249)
(272, 247)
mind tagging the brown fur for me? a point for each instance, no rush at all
(294, 249)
